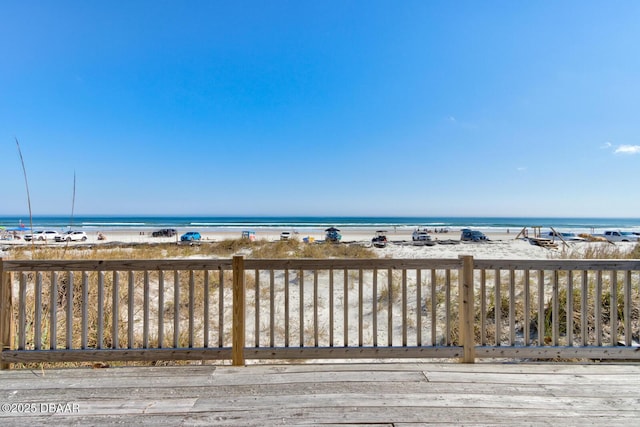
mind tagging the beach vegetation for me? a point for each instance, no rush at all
(259, 249)
(601, 251)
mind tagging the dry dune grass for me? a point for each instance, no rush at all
(292, 248)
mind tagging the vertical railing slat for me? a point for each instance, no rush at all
(434, 306)
(238, 324)
(613, 308)
(301, 306)
(69, 315)
(22, 313)
(374, 299)
(448, 309)
(331, 309)
(627, 308)
(404, 307)
(286, 307)
(419, 307)
(527, 307)
(145, 310)
(316, 338)
(115, 306)
(272, 308)
(206, 314)
(389, 308)
(512, 307)
(584, 308)
(360, 309)
(221, 309)
(541, 318)
(53, 312)
(38, 314)
(6, 313)
(569, 313)
(176, 309)
(130, 309)
(555, 311)
(345, 299)
(257, 308)
(160, 309)
(497, 317)
(483, 307)
(85, 310)
(598, 309)
(100, 337)
(192, 303)
(466, 309)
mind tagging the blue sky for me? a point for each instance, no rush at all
(427, 108)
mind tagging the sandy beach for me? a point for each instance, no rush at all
(501, 245)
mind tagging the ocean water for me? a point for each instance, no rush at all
(308, 224)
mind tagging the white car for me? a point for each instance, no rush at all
(72, 236)
(620, 236)
(421, 235)
(46, 235)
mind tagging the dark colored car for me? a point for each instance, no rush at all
(190, 236)
(165, 232)
(472, 236)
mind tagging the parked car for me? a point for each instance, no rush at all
(72, 236)
(619, 236)
(190, 236)
(421, 235)
(468, 235)
(44, 235)
(165, 232)
(380, 239)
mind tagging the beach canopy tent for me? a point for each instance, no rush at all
(249, 234)
(8, 233)
(18, 229)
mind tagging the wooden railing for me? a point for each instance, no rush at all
(238, 309)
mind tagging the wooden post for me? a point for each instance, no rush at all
(237, 350)
(466, 310)
(6, 314)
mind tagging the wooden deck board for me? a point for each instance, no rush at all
(366, 394)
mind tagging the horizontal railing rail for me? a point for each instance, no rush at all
(238, 309)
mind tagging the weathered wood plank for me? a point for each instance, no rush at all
(553, 352)
(372, 394)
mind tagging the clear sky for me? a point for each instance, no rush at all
(427, 108)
